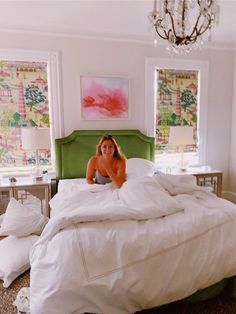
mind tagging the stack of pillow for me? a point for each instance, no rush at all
(22, 226)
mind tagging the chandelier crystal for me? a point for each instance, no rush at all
(184, 23)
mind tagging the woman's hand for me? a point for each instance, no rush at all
(119, 177)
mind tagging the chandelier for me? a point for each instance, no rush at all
(184, 23)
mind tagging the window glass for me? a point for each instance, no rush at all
(23, 103)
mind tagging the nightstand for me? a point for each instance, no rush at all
(34, 194)
(205, 176)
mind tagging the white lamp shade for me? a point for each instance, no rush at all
(35, 138)
(181, 135)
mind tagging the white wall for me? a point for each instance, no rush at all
(102, 57)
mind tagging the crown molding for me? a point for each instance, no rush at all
(147, 40)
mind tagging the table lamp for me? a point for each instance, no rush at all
(180, 136)
(36, 139)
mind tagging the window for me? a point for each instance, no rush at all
(176, 105)
(176, 94)
(29, 85)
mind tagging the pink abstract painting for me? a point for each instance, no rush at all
(104, 97)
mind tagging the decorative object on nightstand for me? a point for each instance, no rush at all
(180, 136)
(36, 139)
(45, 175)
(12, 180)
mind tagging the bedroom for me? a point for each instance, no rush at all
(82, 52)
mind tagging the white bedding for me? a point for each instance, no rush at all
(110, 250)
(66, 184)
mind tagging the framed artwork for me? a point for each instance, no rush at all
(104, 97)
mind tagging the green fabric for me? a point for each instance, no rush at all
(73, 152)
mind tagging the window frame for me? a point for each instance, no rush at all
(54, 86)
(151, 64)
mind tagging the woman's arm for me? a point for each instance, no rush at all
(91, 167)
(118, 178)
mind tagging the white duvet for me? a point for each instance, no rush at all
(156, 240)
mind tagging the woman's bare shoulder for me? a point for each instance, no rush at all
(93, 159)
(123, 159)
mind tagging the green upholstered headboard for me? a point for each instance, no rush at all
(73, 152)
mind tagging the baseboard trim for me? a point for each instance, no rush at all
(230, 196)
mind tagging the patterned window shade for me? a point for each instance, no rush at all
(177, 104)
(23, 103)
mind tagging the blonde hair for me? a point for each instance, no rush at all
(107, 137)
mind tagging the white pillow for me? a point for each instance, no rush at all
(20, 220)
(14, 259)
(139, 167)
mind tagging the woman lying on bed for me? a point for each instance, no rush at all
(108, 165)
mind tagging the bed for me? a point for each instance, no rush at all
(157, 239)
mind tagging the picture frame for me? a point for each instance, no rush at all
(104, 97)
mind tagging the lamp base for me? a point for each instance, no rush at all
(183, 163)
(37, 172)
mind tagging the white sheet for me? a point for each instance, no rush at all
(99, 255)
(66, 184)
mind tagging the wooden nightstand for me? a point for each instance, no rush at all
(213, 178)
(206, 176)
(35, 194)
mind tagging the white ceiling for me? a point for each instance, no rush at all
(120, 19)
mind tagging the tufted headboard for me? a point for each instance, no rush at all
(73, 152)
